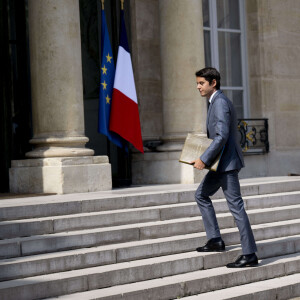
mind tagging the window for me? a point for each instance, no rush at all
(225, 48)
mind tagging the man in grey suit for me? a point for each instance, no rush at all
(222, 129)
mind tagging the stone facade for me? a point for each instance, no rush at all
(273, 58)
(167, 48)
(274, 78)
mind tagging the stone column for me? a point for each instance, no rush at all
(184, 111)
(56, 79)
(182, 54)
(57, 107)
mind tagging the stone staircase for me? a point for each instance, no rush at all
(139, 243)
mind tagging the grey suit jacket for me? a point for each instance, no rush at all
(222, 128)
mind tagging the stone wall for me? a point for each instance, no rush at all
(274, 78)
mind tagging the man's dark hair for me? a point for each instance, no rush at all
(210, 74)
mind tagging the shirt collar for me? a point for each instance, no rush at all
(211, 97)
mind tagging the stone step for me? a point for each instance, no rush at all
(54, 224)
(132, 272)
(56, 205)
(133, 232)
(286, 287)
(85, 258)
(129, 255)
(178, 286)
(131, 251)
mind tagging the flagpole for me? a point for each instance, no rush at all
(122, 4)
(102, 2)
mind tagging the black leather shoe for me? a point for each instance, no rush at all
(243, 261)
(213, 245)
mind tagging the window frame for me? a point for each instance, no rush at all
(214, 49)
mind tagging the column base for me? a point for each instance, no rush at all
(60, 175)
(59, 147)
(163, 168)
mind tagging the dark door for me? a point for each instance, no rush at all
(15, 107)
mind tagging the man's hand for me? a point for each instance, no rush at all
(198, 164)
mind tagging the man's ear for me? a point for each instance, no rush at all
(214, 83)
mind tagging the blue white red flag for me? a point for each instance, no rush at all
(124, 117)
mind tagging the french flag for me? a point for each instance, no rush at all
(124, 115)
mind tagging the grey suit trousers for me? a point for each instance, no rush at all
(231, 187)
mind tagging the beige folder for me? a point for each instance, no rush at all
(194, 146)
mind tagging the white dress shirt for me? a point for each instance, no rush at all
(212, 96)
